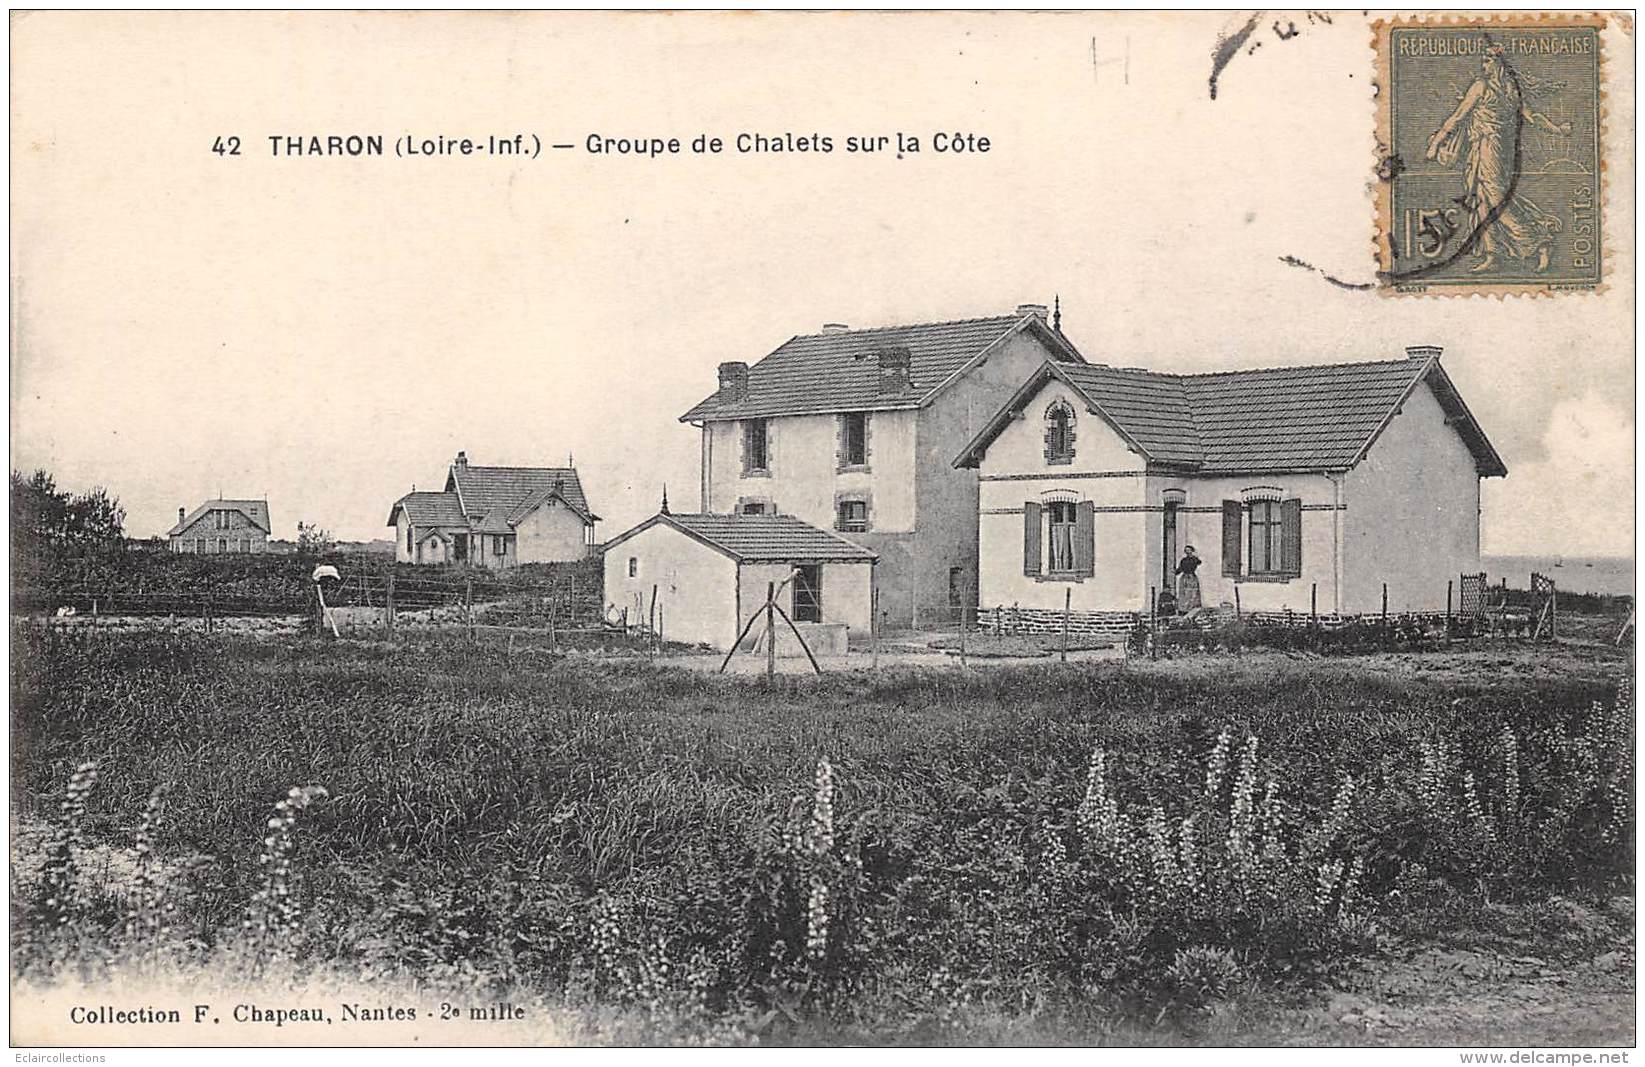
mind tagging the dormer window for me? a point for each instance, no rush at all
(1059, 433)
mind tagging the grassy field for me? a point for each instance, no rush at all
(1150, 852)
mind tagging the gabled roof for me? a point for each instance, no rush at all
(484, 490)
(537, 500)
(759, 538)
(1320, 417)
(429, 509)
(819, 373)
(255, 510)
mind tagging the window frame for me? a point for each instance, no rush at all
(848, 420)
(633, 566)
(1273, 550)
(756, 429)
(1071, 509)
(1059, 433)
(842, 524)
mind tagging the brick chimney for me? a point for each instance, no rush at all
(182, 513)
(461, 462)
(1423, 351)
(836, 327)
(733, 382)
(1037, 310)
(896, 368)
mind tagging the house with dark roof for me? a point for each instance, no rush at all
(1309, 488)
(854, 431)
(703, 578)
(495, 517)
(222, 527)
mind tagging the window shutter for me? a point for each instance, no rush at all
(1231, 510)
(1290, 537)
(1085, 539)
(1031, 538)
(842, 444)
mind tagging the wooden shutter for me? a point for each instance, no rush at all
(1290, 537)
(1085, 539)
(1031, 538)
(1231, 512)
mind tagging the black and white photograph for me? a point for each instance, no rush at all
(822, 529)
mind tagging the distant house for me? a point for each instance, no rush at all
(709, 573)
(855, 431)
(1300, 487)
(222, 527)
(495, 517)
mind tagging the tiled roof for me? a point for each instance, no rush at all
(760, 538)
(1150, 408)
(255, 510)
(1295, 418)
(429, 509)
(1320, 417)
(826, 372)
(488, 489)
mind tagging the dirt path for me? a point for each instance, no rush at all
(1549, 974)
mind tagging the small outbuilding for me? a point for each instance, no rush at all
(705, 575)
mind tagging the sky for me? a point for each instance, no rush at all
(329, 332)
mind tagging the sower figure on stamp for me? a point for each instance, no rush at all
(1500, 221)
(1188, 581)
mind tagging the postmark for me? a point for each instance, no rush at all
(1490, 143)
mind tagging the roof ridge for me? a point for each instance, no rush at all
(498, 467)
(1247, 370)
(1012, 317)
(1301, 366)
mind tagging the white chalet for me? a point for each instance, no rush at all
(1300, 487)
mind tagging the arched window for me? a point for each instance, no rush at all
(1059, 433)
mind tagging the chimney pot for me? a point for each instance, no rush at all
(1036, 310)
(182, 513)
(462, 461)
(733, 382)
(1423, 351)
(835, 327)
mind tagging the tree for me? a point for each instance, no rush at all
(50, 526)
(312, 540)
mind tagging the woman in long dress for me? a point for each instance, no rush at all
(1188, 581)
(1501, 222)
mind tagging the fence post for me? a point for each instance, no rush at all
(651, 617)
(388, 605)
(1448, 585)
(770, 631)
(1153, 622)
(874, 624)
(1385, 603)
(962, 635)
(1067, 603)
(468, 605)
(1313, 604)
(1237, 611)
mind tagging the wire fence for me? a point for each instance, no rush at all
(567, 601)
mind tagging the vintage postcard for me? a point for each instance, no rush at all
(1494, 172)
(824, 528)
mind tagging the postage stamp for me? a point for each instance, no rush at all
(1491, 162)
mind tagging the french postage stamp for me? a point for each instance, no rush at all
(1489, 133)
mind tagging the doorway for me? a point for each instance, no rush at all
(808, 593)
